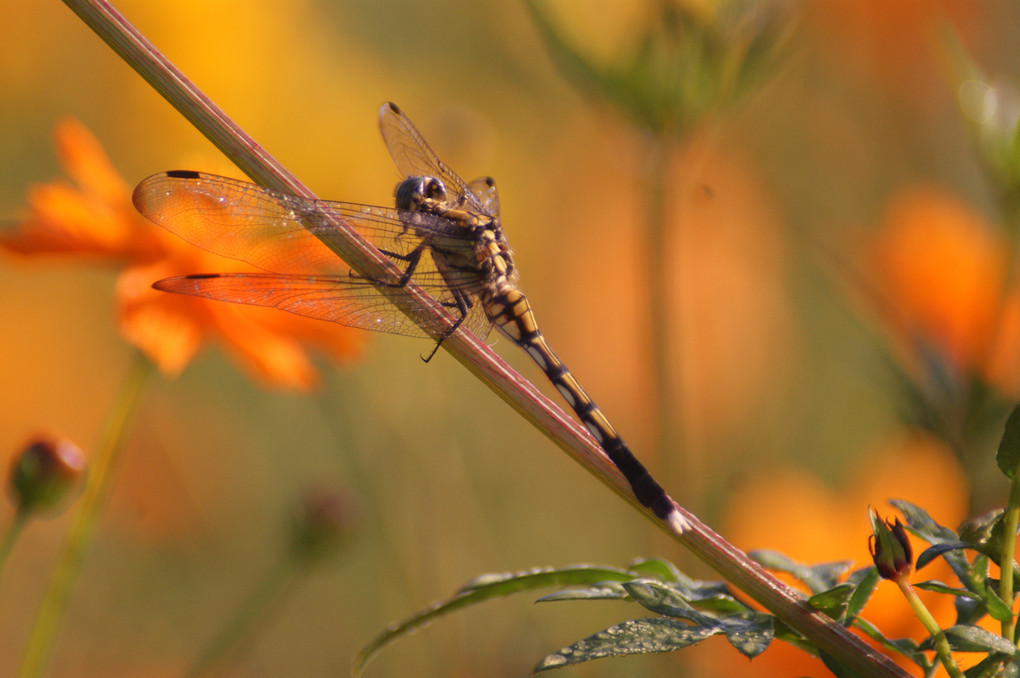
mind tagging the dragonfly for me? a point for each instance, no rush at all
(443, 233)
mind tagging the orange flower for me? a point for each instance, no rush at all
(93, 218)
(941, 270)
(813, 523)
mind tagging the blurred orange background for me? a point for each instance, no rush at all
(779, 381)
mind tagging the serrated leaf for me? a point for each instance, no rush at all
(1008, 455)
(976, 639)
(750, 634)
(484, 588)
(637, 636)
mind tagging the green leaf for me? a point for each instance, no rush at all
(865, 580)
(979, 529)
(505, 583)
(988, 667)
(484, 588)
(828, 574)
(1008, 455)
(933, 552)
(637, 636)
(838, 670)
(904, 646)
(751, 634)
(606, 591)
(970, 638)
(997, 608)
(662, 599)
(818, 578)
(939, 587)
(784, 633)
(748, 631)
(833, 602)
(922, 524)
(657, 568)
(969, 610)
(720, 605)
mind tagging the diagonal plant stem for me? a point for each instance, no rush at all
(1006, 565)
(731, 563)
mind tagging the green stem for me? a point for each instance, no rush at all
(11, 535)
(1009, 525)
(242, 625)
(932, 627)
(83, 525)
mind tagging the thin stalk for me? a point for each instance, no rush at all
(731, 563)
(942, 649)
(11, 535)
(228, 642)
(1009, 525)
(99, 482)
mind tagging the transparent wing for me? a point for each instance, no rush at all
(485, 189)
(348, 301)
(277, 231)
(413, 157)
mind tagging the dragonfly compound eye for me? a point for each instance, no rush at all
(420, 193)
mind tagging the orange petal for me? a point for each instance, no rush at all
(942, 269)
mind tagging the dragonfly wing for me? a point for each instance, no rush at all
(413, 156)
(349, 301)
(485, 189)
(271, 230)
(352, 303)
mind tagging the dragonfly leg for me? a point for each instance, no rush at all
(412, 258)
(462, 304)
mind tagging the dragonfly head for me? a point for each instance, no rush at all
(420, 194)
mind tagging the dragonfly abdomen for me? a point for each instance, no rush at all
(512, 314)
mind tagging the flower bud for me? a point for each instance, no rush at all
(323, 519)
(890, 548)
(43, 474)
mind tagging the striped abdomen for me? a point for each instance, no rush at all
(510, 311)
